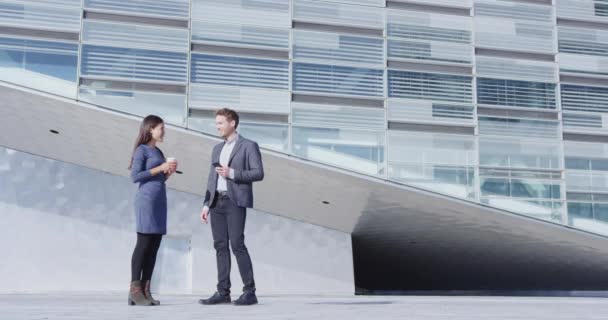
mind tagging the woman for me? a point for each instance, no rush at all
(150, 169)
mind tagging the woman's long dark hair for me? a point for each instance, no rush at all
(144, 137)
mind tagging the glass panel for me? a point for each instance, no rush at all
(133, 35)
(407, 110)
(170, 107)
(514, 26)
(239, 35)
(61, 3)
(435, 148)
(431, 51)
(591, 181)
(514, 11)
(514, 93)
(429, 86)
(270, 136)
(584, 98)
(520, 153)
(133, 64)
(338, 116)
(237, 71)
(357, 150)
(447, 3)
(338, 14)
(540, 209)
(583, 41)
(520, 186)
(585, 122)
(429, 36)
(515, 36)
(49, 17)
(495, 187)
(571, 196)
(453, 181)
(600, 165)
(516, 69)
(578, 164)
(600, 212)
(534, 193)
(326, 47)
(267, 135)
(176, 9)
(273, 13)
(580, 10)
(42, 65)
(416, 25)
(588, 65)
(535, 189)
(525, 128)
(587, 151)
(240, 98)
(578, 210)
(338, 80)
(600, 197)
(582, 215)
(375, 3)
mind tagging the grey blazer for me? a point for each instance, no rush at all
(246, 160)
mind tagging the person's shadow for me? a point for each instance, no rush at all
(354, 303)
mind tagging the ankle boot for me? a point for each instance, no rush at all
(136, 295)
(148, 294)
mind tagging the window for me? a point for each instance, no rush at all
(338, 80)
(239, 71)
(43, 65)
(515, 93)
(429, 86)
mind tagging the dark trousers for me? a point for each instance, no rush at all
(228, 224)
(144, 256)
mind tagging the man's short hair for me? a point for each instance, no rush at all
(229, 114)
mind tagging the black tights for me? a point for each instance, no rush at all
(144, 256)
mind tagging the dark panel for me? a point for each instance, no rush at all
(401, 249)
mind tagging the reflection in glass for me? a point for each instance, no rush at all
(357, 150)
(589, 216)
(520, 153)
(450, 180)
(42, 65)
(541, 209)
(169, 106)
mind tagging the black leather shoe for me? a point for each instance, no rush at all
(246, 299)
(216, 298)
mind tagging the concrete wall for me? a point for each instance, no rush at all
(66, 227)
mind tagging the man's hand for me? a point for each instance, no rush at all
(223, 171)
(205, 215)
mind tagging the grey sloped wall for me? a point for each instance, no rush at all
(70, 228)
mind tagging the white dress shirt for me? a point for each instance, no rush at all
(222, 184)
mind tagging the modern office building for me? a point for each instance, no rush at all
(410, 145)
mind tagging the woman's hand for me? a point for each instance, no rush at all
(172, 167)
(165, 167)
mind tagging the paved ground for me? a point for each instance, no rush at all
(176, 307)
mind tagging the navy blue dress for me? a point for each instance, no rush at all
(151, 198)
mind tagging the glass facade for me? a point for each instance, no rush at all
(498, 102)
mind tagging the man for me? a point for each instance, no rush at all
(235, 164)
